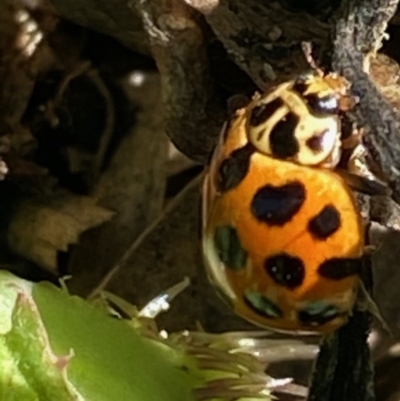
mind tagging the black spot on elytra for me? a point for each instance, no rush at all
(229, 248)
(282, 140)
(318, 313)
(278, 205)
(234, 168)
(339, 268)
(262, 113)
(262, 305)
(287, 271)
(325, 223)
(322, 106)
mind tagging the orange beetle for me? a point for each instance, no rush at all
(283, 237)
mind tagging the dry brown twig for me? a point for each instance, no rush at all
(261, 37)
(344, 369)
(178, 46)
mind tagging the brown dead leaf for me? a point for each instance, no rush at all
(40, 228)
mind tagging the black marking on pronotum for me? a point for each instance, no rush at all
(277, 205)
(316, 142)
(340, 268)
(318, 313)
(264, 111)
(300, 86)
(287, 271)
(234, 168)
(261, 305)
(325, 223)
(283, 142)
(229, 247)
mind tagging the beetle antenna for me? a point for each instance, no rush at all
(306, 47)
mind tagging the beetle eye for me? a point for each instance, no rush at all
(327, 105)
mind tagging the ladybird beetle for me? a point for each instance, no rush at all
(282, 234)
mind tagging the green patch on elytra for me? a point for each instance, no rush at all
(229, 248)
(262, 305)
(317, 313)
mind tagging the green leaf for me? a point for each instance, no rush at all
(59, 347)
